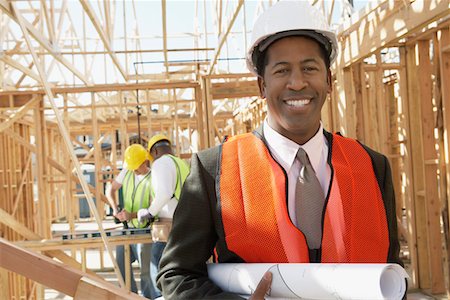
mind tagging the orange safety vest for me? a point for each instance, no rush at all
(255, 216)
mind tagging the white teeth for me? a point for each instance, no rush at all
(298, 103)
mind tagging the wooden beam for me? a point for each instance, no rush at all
(415, 144)
(409, 184)
(68, 144)
(387, 24)
(164, 35)
(431, 185)
(65, 279)
(21, 184)
(181, 84)
(224, 37)
(445, 91)
(20, 140)
(106, 42)
(11, 222)
(19, 114)
(50, 27)
(6, 7)
(82, 243)
(15, 64)
(64, 170)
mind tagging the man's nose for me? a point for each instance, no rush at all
(297, 80)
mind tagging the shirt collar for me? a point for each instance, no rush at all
(284, 150)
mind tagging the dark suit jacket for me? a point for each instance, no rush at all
(198, 228)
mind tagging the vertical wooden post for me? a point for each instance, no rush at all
(341, 101)
(365, 104)
(208, 106)
(445, 90)
(41, 154)
(200, 117)
(176, 137)
(359, 101)
(350, 103)
(124, 141)
(50, 146)
(128, 269)
(149, 115)
(382, 107)
(416, 144)
(430, 159)
(69, 194)
(394, 147)
(374, 140)
(409, 182)
(4, 284)
(98, 160)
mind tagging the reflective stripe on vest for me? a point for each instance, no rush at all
(138, 197)
(253, 193)
(182, 172)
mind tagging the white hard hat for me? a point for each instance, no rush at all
(286, 18)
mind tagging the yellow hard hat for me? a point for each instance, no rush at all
(135, 156)
(154, 139)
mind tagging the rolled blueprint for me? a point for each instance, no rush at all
(313, 281)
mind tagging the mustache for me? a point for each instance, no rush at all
(298, 95)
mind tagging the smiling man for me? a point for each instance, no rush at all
(290, 192)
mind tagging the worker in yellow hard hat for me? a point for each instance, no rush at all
(135, 181)
(159, 139)
(168, 175)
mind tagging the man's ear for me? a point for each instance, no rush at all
(262, 87)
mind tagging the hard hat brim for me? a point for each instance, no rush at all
(314, 34)
(263, 45)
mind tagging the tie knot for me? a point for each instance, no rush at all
(302, 156)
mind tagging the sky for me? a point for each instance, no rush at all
(145, 18)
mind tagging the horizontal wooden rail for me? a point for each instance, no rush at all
(55, 275)
(92, 242)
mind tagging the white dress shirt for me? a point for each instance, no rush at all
(284, 151)
(164, 181)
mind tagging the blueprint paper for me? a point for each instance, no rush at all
(314, 281)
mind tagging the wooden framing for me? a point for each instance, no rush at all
(399, 107)
(68, 280)
(417, 157)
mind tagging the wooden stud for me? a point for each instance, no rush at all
(409, 185)
(431, 184)
(445, 92)
(97, 143)
(66, 138)
(350, 103)
(416, 142)
(359, 101)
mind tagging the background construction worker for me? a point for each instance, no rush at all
(168, 175)
(290, 192)
(135, 181)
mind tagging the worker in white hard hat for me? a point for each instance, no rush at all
(134, 180)
(289, 192)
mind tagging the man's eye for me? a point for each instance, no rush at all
(310, 69)
(281, 71)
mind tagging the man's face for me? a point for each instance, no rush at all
(142, 170)
(295, 83)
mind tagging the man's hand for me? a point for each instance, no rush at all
(123, 215)
(263, 287)
(115, 211)
(143, 215)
